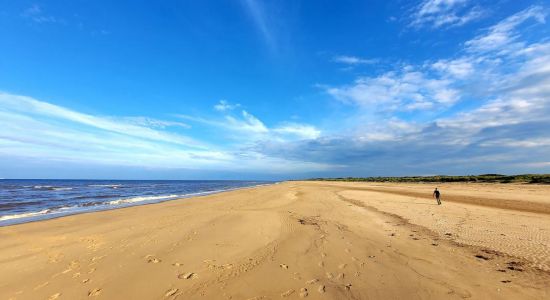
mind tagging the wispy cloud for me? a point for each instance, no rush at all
(257, 12)
(406, 89)
(301, 131)
(445, 13)
(504, 33)
(152, 122)
(353, 60)
(36, 14)
(248, 123)
(224, 105)
(20, 105)
(499, 126)
(34, 130)
(246, 127)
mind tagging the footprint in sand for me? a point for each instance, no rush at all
(341, 276)
(283, 266)
(170, 292)
(288, 293)
(94, 292)
(152, 259)
(348, 286)
(321, 264)
(312, 281)
(85, 280)
(303, 292)
(177, 264)
(348, 250)
(329, 275)
(321, 289)
(483, 257)
(189, 275)
(323, 254)
(54, 296)
(342, 266)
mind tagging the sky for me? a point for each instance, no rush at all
(281, 89)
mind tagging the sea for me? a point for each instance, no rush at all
(27, 200)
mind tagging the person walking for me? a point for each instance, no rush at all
(436, 195)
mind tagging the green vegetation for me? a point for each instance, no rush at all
(494, 178)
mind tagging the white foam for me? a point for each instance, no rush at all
(62, 188)
(143, 198)
(42, 186)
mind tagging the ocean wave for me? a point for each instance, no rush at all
(25, 215)
(69, 204)
(143, 198)
(8, 205)
(114, 186)
(62, 188)
(95, 196)
(40, 187)
(51, 188)
(44, 212)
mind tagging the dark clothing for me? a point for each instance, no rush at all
(436, 195)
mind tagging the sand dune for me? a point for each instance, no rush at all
(314, 240)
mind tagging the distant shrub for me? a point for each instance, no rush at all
(524, 178)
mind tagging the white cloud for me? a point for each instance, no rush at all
(37, 131)
(406, 89)
(29, 106)
(439, 13)
(354, 60)
(224, 105)
(301, 131)
(153, 123)
(249, 128)
(459, 68)
(501, 36)
(501, 126)
(248, 123)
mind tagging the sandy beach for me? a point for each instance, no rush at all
(314, 240)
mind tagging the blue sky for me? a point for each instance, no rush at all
(249, 89)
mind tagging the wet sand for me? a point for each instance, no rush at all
(314, 240)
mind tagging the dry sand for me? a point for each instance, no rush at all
(320, 240)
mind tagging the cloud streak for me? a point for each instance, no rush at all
(445, 13)
(353, 60)
(257, 12)
(38, 131)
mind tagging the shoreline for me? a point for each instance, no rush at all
(286, 240)
(104, 207)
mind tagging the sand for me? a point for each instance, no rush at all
(313, 240)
